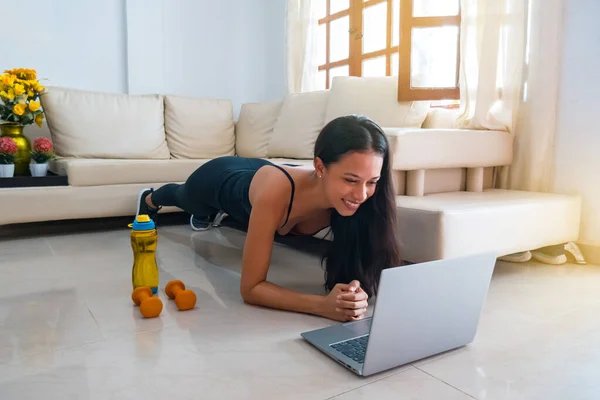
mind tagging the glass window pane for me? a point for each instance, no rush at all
(321, 80)
(433, 58)
(374, 66)
(344, 70)
(375, 27)
(320, 9)
(395, 22)
(321, 45)
(435, 8)
(339, 44)
(336, 5)
(394, 64)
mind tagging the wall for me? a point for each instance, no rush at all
(64, 44)
(233, 49)
(578, 131)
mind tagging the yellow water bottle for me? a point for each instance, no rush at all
(144, 239)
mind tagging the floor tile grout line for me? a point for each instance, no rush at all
(50, 245)
(76, 346)
(94, 318)
(367, 384)
(56, 350)
(444, 382)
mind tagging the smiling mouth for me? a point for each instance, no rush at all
(351, 204)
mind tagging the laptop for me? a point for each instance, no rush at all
(421, 310)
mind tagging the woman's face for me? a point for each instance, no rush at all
(351, 181)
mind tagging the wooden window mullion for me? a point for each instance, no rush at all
(370, 3)
(405, 47)
(407, 22)
(355, 38)
(335, 16)
(418, 22)
(388, 57)
(382, 52)
(327, 42)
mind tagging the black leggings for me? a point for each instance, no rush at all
(173, 194)
(200, 194)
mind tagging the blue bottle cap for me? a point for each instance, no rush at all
(142, 223)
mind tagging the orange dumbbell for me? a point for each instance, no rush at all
(150, 306)
(184, 299)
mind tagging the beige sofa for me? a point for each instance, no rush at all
(112, 145)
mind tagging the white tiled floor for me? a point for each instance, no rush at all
(68, 329)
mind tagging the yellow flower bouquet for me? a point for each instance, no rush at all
(19, 92)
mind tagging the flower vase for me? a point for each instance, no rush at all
(7, 170)
(38, 169)
(23, 156)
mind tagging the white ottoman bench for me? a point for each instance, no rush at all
(455, 224)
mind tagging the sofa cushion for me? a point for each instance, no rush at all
(94, 172)
(90, 124)
(34, 204)
(449, 148)
(441, 118)
(375, 98)
(254, 128)
(199, 128)
(301, 120)
(455, 224)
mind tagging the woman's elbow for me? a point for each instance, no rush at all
(247, 293)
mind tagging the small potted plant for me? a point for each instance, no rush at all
(41, 154)
(8, 151)
(20, 105)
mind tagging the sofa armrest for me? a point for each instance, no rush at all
(415, 149)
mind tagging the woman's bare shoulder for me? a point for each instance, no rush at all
(270, 185)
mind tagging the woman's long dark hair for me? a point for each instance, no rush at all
(365, 243)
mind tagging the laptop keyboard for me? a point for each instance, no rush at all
(353, 348)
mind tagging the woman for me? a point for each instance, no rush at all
(350, 190)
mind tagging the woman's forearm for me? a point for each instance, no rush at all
(267, 294)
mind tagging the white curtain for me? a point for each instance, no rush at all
(302, 45)
(534, 159)
(509, 80)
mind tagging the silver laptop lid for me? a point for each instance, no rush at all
(425, 309)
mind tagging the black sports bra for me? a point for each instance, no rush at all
(291, 197)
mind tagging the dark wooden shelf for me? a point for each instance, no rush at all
(51, 179)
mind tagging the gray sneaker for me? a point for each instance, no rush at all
(219, 218)
(200, 224)
(204, 224)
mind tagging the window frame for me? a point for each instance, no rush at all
(407, 22)
(404, 48)
(327, 20)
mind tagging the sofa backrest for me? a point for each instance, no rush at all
(89, 124)
(430, 154)
(197, 128)
(289, 128)
(376, 98)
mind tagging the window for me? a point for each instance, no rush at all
(416, 40)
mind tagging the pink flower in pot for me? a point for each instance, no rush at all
(43, 150)
(8, 150)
